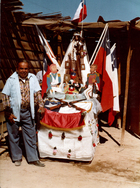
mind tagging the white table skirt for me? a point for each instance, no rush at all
(68, 146)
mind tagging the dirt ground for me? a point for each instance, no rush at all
(113, 166)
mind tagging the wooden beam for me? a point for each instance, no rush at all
(126, 93)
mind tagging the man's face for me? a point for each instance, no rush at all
(23, 69)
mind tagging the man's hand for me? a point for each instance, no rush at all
(11, 118)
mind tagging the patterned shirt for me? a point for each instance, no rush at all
(25, 95)
(25, 91)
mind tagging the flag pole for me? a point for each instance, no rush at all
(82, 20)
(113, 47)
(103, 33)
(99, 43)
(126, 93)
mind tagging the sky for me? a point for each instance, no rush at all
(124, 10)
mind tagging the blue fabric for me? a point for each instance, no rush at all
(12, 89)
(29, 137)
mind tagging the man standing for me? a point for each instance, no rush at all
(19, 95)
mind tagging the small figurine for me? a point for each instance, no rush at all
(70, 87)
(92, 81)
(53, 80)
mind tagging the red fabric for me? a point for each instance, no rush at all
(83, 13)
(111, 116)
(59, 120)
(44, 82)
(106, 83)
(106, 86)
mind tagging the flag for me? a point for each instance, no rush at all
(45, 65)
(81, 12)
(50, 55)
(103, 61)
(47, 48)
(116, 108)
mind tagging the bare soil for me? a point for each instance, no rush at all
(113, 166)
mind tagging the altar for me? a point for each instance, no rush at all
(76, 138)
(71, 131)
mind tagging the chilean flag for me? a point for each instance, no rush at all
(116, 108)
(81, 12)
(103, 61)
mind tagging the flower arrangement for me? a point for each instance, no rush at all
(97, 125)
(63, 136)
(94, 145)
(89, 123)
(69, 153)
(91, 132)
(54, 150)
(50, 135)
(80, 138)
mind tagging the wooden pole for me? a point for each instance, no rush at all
(59, 54)
(99, 43)
(82, 20)
(119, 84)
(126, 94)
(119, 81)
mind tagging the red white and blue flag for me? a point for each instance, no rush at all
(116, 107)
(47, 47)
(107, 68)
(81, 12)
(103, 61)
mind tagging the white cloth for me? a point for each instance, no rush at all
(54, 82)
(39, 76)
(83, 150)
(88, 92)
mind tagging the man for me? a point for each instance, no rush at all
(19, 95)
